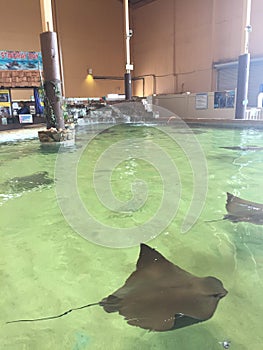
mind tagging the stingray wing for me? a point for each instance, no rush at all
(242, 210)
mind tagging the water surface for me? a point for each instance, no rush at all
(47, 267)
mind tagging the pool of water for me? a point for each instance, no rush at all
(72, 219)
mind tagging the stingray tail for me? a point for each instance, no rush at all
(216, 220)
(52, 317)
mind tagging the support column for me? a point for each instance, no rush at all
(52, 81)
(242, 85)
(129, 66)
(243, 64)
(51, 69)
(128, 86)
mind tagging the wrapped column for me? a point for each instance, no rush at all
(52, 80)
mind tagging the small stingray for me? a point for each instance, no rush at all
(26, 183)
(108, 131)
(189, 132)
(242, 210)
(244, 148)
(160, 296)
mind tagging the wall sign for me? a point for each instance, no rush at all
(201, 101)
(20, 60)
(25, 118)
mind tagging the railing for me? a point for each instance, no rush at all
(254, 114)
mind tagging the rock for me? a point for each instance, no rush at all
(53, 135)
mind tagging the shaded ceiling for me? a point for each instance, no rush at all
(138, 3)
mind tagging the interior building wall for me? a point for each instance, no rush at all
(184, 106)
(255, 41)
(194, 45)
(173, 47)
(182, 39)
(20, 25)
(153, 46)
(90, 36)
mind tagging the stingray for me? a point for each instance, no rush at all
(244, 148)
(189, 132)
(242, 210)
(160, 296)
(26, 183)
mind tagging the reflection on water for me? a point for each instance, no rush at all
(46, 267)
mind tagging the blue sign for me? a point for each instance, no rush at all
(20, 60)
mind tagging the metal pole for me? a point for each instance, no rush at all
(129, 67)
(243, 64)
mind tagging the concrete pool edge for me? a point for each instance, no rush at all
(225, 123)
(17, 134)
(31, 131)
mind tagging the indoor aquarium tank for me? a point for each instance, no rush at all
(144, 234)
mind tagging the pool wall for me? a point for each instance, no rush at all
(186, 106)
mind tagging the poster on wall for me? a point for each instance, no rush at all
(201, 101)
(5, 105)
(25, 118)
(224, 99)
(20, 60)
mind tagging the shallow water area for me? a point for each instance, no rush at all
(48, 266)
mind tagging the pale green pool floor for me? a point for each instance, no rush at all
(47, 268)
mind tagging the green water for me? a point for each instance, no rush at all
(47, 267)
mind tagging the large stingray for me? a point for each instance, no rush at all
(242, 210)
(160, 296)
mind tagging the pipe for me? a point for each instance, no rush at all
(104, 77)
(127, 75)
(246, 26)
(107, 77)
(127, 35)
